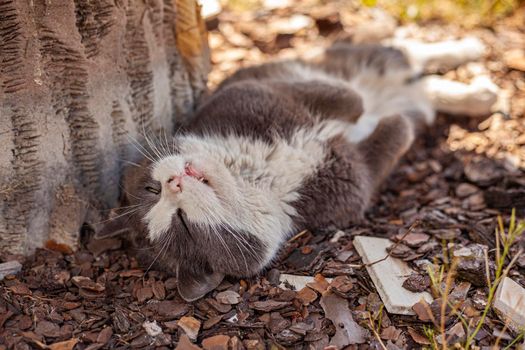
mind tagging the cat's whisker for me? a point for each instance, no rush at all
(239, 237)
(141, 149)
(223, 242)
(156, 141)
(116, 217)
(153, 246)
(167, 145)
(167, 240)
(124, 207)
(135, 143)
(163, 142)
(130, 195)
(236, 240)
(136, 206)
(244, 243)
(130, 163)
(151, 144)
(243, 256)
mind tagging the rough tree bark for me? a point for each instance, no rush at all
(76, 78)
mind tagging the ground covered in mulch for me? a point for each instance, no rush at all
(442, 202)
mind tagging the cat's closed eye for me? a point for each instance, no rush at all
(152, 189)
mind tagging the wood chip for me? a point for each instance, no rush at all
(423, 311)
(47, 329)
(144, 293)
(186, 344)
(307, 295)
(190, 326)
(413, 239)
(269, 305)
(319, 283)
(418, 338)
(105, 335)
(20, 289)
(131, 273)
(217, 342)
(87, 283)
(64, 345)
(228, 297)
(390, 333)
(158, 290)
(515, 59)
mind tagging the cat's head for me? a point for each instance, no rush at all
(200, 219)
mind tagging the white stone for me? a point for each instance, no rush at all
(509, 302)
(152, 328)
(9, 268)
(233, 319)
(388, 275)
(337, 236)
(296, 281)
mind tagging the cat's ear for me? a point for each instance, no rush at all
(193, 287)
(113, 227)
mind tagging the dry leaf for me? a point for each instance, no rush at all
(58, 247)
(347, 330)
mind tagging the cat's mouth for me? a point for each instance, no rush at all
(191, 171)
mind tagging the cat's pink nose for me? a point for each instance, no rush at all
(175, 184)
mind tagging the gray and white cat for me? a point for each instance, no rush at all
(276, 149)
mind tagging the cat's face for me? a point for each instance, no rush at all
(191, 208)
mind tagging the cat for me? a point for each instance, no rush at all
(276, 149)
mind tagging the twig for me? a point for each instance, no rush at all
(371, 323)
(410, 229)
(297, 236)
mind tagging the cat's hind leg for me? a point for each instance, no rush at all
(452, 97)
(386, 82)
(326, 99)
(442, 55)
(476, 99)
(381, 151)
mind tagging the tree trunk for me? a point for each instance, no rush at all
(77, 77)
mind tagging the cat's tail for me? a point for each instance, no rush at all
(381, 151)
